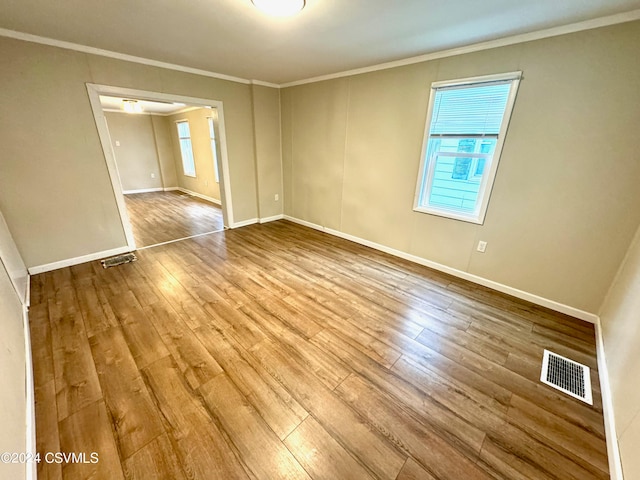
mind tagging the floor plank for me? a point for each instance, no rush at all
(322, 456)
(76, 379)
(134, 417)
(249, 433)
(278, 408)
(202, 448)
(88, 432)
(157, 460)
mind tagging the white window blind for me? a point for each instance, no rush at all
(475, 110)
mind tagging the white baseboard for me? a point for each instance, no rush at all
(171, 189)
(77, 260)
(530, 297)
(143, 190)
(244, 223)
(271, 219)
(199, 195)
(30, 446)
(613, 450)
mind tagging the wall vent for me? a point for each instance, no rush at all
(118, 260)
(568, 376)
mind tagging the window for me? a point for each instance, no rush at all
(212, 135)
(186, 149)
(466, 125)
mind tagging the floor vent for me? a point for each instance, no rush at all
(118, 260)
(567, 376)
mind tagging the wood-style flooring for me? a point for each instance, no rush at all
(158, 217)
(278, 352)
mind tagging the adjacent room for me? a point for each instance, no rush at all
(334, 240)
(166, 155)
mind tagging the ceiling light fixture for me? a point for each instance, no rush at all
(131, 106)
(279, 8)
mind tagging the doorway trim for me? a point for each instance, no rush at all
(95, 90)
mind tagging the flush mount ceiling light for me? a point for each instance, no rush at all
(279, 8)
(131, 106)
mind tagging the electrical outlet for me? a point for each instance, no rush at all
(153, 175)
(276, 197)
(206, 183)
(117, 143)
(482, 246)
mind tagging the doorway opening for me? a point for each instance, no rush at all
(167, 159)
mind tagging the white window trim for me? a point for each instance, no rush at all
(195, 174)
(486, 185)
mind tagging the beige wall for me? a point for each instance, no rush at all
(164, 149)
(266, 122)
(620, 318)
(12, 372)
(204, 182)
(133, 142)
(13, 401)
(565, 204)
(55, 190)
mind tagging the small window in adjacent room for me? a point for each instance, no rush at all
(466, 125)
(214, 150)
(186, 149)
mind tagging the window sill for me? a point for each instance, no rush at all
(450, 214)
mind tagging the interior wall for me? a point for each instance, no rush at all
(565, 203)
(133, 142)
(55, 189)
(164, 150)
(620, 319)
(204, 182)
(13, 400)
(266, 124)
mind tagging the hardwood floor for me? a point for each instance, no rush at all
(275, 351)
(158, 217)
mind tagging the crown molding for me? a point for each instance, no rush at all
(500, 42)
(27, 37)
(264, 84)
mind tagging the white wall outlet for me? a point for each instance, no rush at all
(206, 183)
(117, 143)
(276, 197)
(482, 246)
(153, 175)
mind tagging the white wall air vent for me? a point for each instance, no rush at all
(567, 376)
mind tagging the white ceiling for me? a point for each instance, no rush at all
(114, 104)
(232, 37)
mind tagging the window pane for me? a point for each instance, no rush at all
(188, 163)
(450, 192)
(212, 132)
(474, 110)
(456, 179)
(461, 168)
(183, 129)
